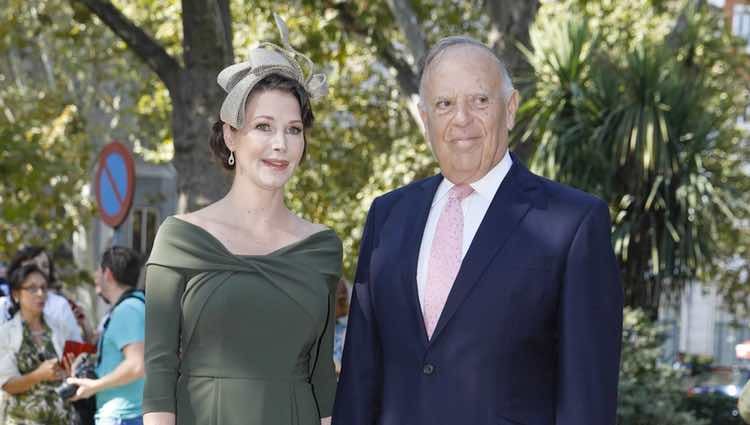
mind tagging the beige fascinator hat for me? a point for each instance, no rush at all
(266, 59)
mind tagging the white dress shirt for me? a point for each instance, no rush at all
(474, 208)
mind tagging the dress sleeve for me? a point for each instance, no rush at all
(324, 372)
(164, 288)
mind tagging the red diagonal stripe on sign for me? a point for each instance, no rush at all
(114, 185)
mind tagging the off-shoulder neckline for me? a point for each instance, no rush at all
(269, 254)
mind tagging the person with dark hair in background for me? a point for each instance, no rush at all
(342, 309)
(4, 285)
(240, 312)
(119, 386)
(57, 305)
(31, 346)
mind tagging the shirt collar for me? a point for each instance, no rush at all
(486, 187)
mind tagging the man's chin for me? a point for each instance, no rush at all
(103, 298)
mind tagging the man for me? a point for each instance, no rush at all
(485, 294)
(119, 388)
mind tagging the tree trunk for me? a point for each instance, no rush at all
(511, 21)
(200, 179)
(207, 49)
(196, 97)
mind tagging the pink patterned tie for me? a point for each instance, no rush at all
(445, 256)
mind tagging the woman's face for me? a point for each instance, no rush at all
(269, 147)
(32, 294)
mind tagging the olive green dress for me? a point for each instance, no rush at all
(240, 340)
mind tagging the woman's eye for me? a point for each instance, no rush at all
(295, 130)
(482, 100)
(262, 127)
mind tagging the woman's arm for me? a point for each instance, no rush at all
(49, 370)
(159, 418)
(164, 288)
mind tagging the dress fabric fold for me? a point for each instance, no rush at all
(240, 339)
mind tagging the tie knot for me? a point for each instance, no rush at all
(460, 191)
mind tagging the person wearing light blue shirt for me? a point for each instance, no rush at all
(120, 368)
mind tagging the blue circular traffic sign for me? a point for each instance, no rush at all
(114, 183)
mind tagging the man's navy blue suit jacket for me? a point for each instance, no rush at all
(530, 333)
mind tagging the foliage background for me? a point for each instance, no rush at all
(601, 74)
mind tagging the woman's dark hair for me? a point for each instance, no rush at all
(28, 253)
(271, 82)
(16, 278)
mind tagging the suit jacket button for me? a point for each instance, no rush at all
(428, 369)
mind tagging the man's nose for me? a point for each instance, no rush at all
(462, 116)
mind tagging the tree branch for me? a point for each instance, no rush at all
(145, 47)
(207, 36)
(409, 24)
(405, 74)
(226, 21)
(511, 20)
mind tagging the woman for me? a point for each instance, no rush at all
(57, 306)
(240, 308)
(30, 346)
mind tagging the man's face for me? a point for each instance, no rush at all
(465, 114)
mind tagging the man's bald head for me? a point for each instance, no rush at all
(440, 48)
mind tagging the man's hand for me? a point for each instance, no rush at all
(86, 387)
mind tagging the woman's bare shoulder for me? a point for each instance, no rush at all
(308, 228)
(201, 218)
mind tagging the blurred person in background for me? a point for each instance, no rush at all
(119, 386)
(4, 285)
(57, 305)
(31, 346)
(342, 310)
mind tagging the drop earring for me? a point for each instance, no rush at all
(230, 161)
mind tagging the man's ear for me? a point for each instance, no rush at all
(511, 107)
(425, 124)
(424, 116)
(107, 273)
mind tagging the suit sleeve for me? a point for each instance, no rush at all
(164, 288)
(590, 326)
(360, 384)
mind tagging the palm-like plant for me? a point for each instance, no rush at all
(648, 129)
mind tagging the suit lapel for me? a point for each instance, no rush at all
(509, 206)
(416, 219)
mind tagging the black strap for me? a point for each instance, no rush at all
(130, 293)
